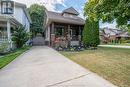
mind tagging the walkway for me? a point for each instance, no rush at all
(44, 67)
(115, 46)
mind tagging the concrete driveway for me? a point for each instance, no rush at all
(44, 67)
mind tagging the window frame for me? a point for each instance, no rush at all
(7, 7)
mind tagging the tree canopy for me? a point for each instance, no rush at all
(37, 15)
(109, 10)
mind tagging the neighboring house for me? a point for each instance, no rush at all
(12, 15)
(109, 34)
(63, 29)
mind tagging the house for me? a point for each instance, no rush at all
(12, 15)
(63, 29)
(109, 34)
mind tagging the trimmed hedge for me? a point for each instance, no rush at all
(91, 34)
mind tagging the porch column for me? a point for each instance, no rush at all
(9, 33)
(69, 36)
(52, 34)
(79, 33)
(52, 30)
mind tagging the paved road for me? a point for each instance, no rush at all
(44, 67)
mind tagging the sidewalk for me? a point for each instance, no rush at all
(45, 67)
(115, 46)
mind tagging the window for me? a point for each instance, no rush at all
(3, 33)
(59, 32)
(69, 15)
(7, 7)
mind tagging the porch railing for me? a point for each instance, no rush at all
(3, 39)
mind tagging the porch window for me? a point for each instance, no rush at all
(3, 34)
(59, 32)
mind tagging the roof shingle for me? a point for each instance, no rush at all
(58, 17)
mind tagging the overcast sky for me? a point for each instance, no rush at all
(59, 5)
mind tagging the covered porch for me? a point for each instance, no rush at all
(7, 26)
(65, 35)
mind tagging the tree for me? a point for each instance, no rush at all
(109, 10)
(91, 34)
(37, 15)
(91, 29)
(20, 37)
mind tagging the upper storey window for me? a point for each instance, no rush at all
(69, 15)
(70, 12)
(7, 7)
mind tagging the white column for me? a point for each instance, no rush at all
(49, 35)
(52, 34)
(52, 29)
(9, 33)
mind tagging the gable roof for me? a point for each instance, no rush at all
(124, 34)
(71, 10)
(117, 32)
(58, 17)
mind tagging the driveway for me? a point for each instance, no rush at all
(45, 67)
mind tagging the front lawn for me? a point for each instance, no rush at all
(112, 64)
(10, 57)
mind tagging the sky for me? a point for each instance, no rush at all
(60, 5)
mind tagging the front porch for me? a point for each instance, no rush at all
(65, 35)
(7, 25)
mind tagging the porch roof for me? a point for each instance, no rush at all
(58, 17)
(11, 18)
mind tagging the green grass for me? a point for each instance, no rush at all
(10, 57)
(112, 64)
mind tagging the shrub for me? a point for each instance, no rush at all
(91, 34)
(20, 37)
(4, 46)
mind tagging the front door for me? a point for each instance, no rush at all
(74, 37)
